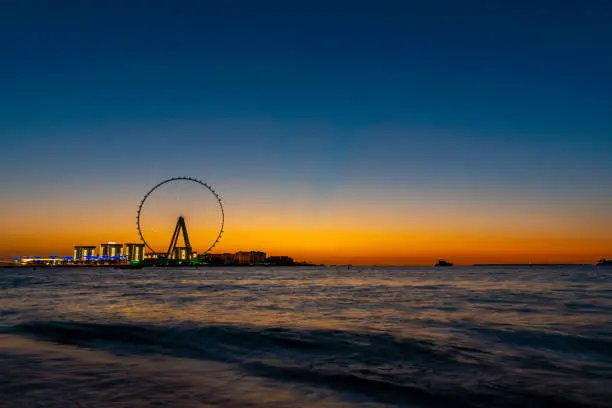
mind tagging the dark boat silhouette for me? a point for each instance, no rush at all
(442, 262)
(604, 262)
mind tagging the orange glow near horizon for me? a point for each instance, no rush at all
(331, 230)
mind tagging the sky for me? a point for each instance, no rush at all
(386, 133)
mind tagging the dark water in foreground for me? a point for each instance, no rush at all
(248, 337)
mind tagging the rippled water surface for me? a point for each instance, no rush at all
(320, 337)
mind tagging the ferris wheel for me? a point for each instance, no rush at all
(192, 200)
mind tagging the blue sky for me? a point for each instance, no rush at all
(479, 94)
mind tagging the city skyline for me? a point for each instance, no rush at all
(113, 253)
(385, 134)
(420, 256)
(434, 234)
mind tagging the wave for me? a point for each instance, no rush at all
(567, 343)
(234, 341)
(374, 366)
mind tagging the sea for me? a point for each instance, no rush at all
(306, 337)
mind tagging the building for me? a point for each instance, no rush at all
(181, 253)
(243, 258)
(259, 257)
(111, 249)
(39, 260)
(280, 260)
(217, 259)
(158, 255)
(134, 252)
(81, 253)
(249, 258)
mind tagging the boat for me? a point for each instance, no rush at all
(604, 262)
(442, 262)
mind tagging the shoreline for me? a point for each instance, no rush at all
(128, 266)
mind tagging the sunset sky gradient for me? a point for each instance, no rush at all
(384, 133)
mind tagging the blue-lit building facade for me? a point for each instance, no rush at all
(82, 252)
(109, 252)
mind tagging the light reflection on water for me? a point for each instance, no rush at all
(307, 336)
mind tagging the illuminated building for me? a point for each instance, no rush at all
(111, 249)
(151, 255)
(84, 252)
(181, 253)
(38, 260)
(134, 252)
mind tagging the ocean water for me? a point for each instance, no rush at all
(306, 337)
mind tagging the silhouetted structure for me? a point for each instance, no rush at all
(218, 259)
(442, 262)
(280, 260)
(250, 257)
(180, 253)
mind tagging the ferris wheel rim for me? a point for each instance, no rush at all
(169, 180)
